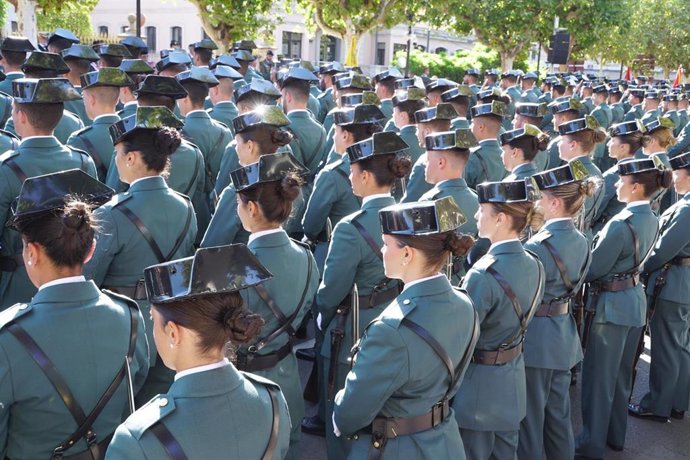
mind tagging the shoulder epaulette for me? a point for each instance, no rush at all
(9, 134)
(83, 130)
(334, 165)
(7, 155)
(120, 198)
(258, 379)
(14, 312)
(542, 236)
(150, 413)
(485, 262)
(79, 151)
(120, 298)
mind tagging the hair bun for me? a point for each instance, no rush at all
(281, 137)
(458, 244)
(242, 325)
(400, 165)
(167, 140)
(289, 187)
(75, 216)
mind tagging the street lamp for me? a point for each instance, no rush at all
(139, 18)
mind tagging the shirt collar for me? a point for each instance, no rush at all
(256, 235)
(139, 180)
(36, 137)
(488, 140)
(512, 240)
(374, 196)
(637, 203)
(204, 368)
(298, 111)
(105, 115)
(130, 103)
(67, 279)
(196, 111)
(421, 280)
(557, 219)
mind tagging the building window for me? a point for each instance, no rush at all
(399, 47)
(381, 53)
(328, 44)
(151, 39)
(176, 36)
(292, 45)
(124, 29)
(441, 50)
(103, 30)
(15, 27)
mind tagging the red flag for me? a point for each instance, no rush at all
(628, 74)
(679, 77)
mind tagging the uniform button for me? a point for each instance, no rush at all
(24, 306)
(406, 301)
(162, 402)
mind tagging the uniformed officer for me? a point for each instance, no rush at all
(563, 110)
(618, 305)
(447, 155)
(136, 46)
(519, 149)
(485, 161)
(384, 85)
(203, 52)
(586, 92)
(313, 105)
(552, 345)
(244, 57)
(490, 79)
(509, 87)
(471, 79)
(657, 137)
(53, 376)
(419, 346)
(506, 286)
(194, 316)
(111, 55)
(148, 224)
(13, 51)
(47, 65)
(100, 92)
(667, 285)
(259, 132)
(136, 70)
(224, 109)
(354, 259)
(577, 141)
(266, 191)
(173, 63)
(406, 103)
(682, 112)
(344, 83)
(37, 109)
(534, 114)
(669, 108)
(624, 140)
(435, 88)
(635, 98)
(327, 99)
(461, 99)
(530, 93)
(650, 105)
(614, 101)
(404, 84)
(60, 40)
(79, 59)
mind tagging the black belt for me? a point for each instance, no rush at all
(553, 309)
(618, 284)
(137, 292)
(11, 263)
(250, 362)
(368, 301)
(496, 357)
(681, 261)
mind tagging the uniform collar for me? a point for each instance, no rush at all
(559, 223)
(488, 141)
(40, 142)
(299, 113)
(207, 367)
(147, 183)
(200, 113)
(257, 235)
(369, 198)
(458, 182)
(637, 204)
(66, 280)
(211, 382)
(523, 167)
(71, 292)
(423, 280)
(224, 104)
(108, 118)
(512, 245)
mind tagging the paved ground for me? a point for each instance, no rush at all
(645, 440)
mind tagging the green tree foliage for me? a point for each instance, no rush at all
(70, 15)
(226, 21)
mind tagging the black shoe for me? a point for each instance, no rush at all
(614, 447)
(677, 414)
(636, 411)
(314, 425)
(306, 354)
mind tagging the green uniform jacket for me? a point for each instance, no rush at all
(635, 113)
(76, 107)
(530, 96)
(35, 156)
(87, 350)
(8, 141)
(6, 84)
(211, 137)
(397, 374)
(683, 143)
(184, 410)
(485, 164)
(617, 113)
(651, 114)
(553, 342)
(390, 127)
(5, 108)
(515, 97)
(224, 112)
(487, 391)
(95, 140)
(386, 107)
(332, 198)
(674, 240)
(553, 156)
(459, 123)
(328, 121)
(593, 203)
(682, 121)
(326, 103)
(128, 110)
(588, 105)
(252, 74)
(225, 226)
(614, 253)
(416, 184)
(350, 261)
(522, 171)
(603, 114)
(68, 124)
(610, 206)
(309, 141)
(313, 106)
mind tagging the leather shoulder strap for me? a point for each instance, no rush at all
(144, 232)
(93, 153)
(170, 444)
(639, 262)
(16, 169)
(194, 176)
(559, 264)
(343, 174)
(433, 343)
(368, 238)
(273, 440)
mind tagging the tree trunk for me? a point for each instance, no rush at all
(26, 19)
(351, 43)
(507, 60)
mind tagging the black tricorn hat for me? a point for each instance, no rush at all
(451, 140)
(460, 91)
(133, 43)
(43, 194)
(224, 60)
(626, 127)
(297, 73)
(637, 92)
(565, 104)
(257, 87)
(43, 91)
(331, 68)
(412, 93)
(361, 114)
(247, 45)
(17, 44)
(262, 115)
(531, 109)
(580, 124)
(443, 111)
(635, 166)
(105, 76)
(440, 84)
(136, 67)
(495, 109)
(269, 168)
(64, 34)
(365, 97)
(145, 118)
(681, 161)
(652, 124)
(206, 43)
(388, 74)
(412, 82)
(42, 60)
(214, 270)
(77, 51)
(383, 143)
(243, 55)
(356, 81)
(508, 192)
(474, 72)
(112, 49)
(489, 95)
(572, 172)
(225, 71)
(421, 218)
(198, 75)
(527, 130)
(175, 57)
(161, 86)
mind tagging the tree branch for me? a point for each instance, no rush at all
(318, 18)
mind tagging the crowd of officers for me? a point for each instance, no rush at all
(463, 251)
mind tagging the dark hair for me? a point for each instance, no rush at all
(573, 195)
(438, 246)
(616, 96)
(410, 107)
(652, 181)
(204, 54)
(437, 125)
(386, 168)
(361, 131)
(154, 100)
(274, 198)
(79, 65)
(463, 154)
(530, 145)
(270, 138)
(111, 61)
(522, 214)
(106, 94)
(14, 58)
(42, 116)
(462, 103)
(65, 234)
(299, 89)
(589, 138)
(177, 68)
(60, 43)
(41, 73)
(216, 318)
(196, 91)
(155, 145)
(389, 84)
(560, 90)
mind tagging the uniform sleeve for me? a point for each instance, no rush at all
(479, 287)
(142, 356)
(6, 194)
(225, 223)
(112, 179)
(609, 192)
(670, 243)
(91, 167)
(107, 246)
(415, 186)
(606, 250)
(682, 144)
(320, 204)
(6, 397)
(344, 254)
(381, 367)
(75, 141)
(124, 446)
